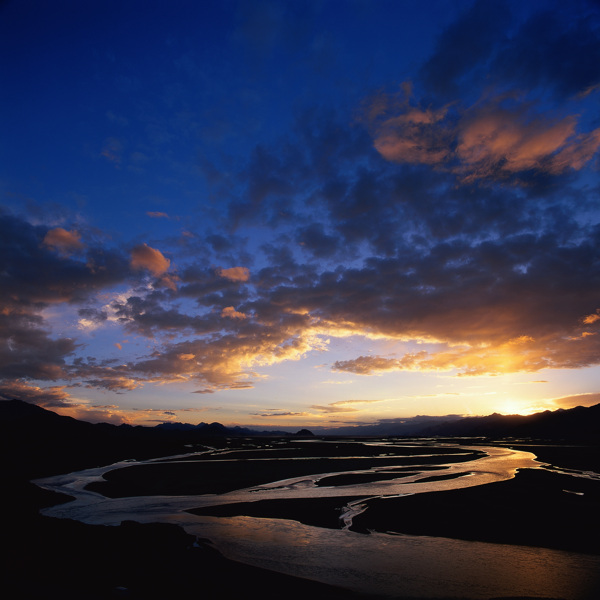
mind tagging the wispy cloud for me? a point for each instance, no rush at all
(498, 137)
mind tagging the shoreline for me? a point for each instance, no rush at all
(44, 545)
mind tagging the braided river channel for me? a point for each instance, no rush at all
(387, 564)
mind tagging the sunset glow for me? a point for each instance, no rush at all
(289, 214)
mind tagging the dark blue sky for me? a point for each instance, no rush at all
(299, 213)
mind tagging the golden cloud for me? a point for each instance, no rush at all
(589, 319)
(496, 137)
(229, 311)
(145, 257)
(63, 241)
(235, 273)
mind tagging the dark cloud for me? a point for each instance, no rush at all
(452, 219)
(33, 273)
(314, 239)
(464, 48)
(556, 49)
(50, 397)
(28, 351)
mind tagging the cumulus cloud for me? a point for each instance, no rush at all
(63, 241)
(589, 319)
(235, 273)
(494, 138)
(48, 397)
(150, 259)
(489, 279)
(230, 312)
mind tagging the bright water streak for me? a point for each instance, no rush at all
(394, 565)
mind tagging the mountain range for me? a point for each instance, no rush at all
(41, 442)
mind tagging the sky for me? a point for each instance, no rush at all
(285, 214)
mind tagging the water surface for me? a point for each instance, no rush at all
(386, 564)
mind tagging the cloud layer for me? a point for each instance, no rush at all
(454, 216)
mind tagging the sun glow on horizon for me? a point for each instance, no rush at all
(514, 406)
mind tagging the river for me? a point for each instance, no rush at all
(386, 564)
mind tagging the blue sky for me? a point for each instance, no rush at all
(283, 214)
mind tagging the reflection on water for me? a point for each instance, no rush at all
(399, 565)
(395, 565)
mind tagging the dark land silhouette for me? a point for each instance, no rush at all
(68, 559)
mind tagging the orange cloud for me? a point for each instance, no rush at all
(63, 241)
(229, 311)
(592, 318)
(493, 138)
(578, 400)
(235, 273)
(145, 257)
(496, 138)
(519, 354)
(169, 280)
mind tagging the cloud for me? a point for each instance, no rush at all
(235, 273)
(319, 243)
(49, 397)
(553, 48)
(27, 350)
(281, 413)
(411, 134)
(367, 365)
(32, 273)
(381, 232)
(497, 141)
(342, 406)
(230, 312)
(556, 48)
(150, 259)
(465, 47)
(490, 94)
(589, 319)
(589, 399)
(63, 241)
(495, 138)
(330, 408)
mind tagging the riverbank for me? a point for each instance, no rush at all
(537, 508)
(71, 560)
(61, 558)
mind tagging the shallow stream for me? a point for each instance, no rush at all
(386, 564)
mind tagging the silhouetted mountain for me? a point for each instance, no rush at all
(216, 429)
(304, 433)
(576, 424)
(35, 442)
(411, 426)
